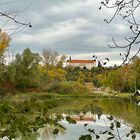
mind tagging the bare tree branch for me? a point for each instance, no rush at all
(126, 9)
(14, 19)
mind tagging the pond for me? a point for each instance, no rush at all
(92, 116)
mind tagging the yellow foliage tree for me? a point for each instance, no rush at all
(4, 42)
(81, 77)
(57, 74)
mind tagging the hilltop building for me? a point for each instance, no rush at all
(81, 63)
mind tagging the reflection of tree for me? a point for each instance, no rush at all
(110, 128)
(120, 108)
(46, 133)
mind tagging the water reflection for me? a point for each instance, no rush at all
(137, 102)
(98, 124)
(47, 133)
(92, 112)
(125, 110)
(75, 131)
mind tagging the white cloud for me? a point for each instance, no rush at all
(37, 18)
(58, 31)
(121, 28)
(99, 40)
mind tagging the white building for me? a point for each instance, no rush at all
(82, 63)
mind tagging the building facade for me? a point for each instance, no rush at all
(82, 63)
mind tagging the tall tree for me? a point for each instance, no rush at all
(136, 72)
(50, 57)
(27, 68)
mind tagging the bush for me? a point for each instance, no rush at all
(24, 87)
(3, 92)
(66, 87)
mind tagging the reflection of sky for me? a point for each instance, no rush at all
(74, 131)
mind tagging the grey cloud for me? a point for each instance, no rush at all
(70, 27)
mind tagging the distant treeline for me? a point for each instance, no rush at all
(33, 72)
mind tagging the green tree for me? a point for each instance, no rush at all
(26, 66)
(61, 61)
(136, 72)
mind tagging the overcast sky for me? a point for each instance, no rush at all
(72, 27)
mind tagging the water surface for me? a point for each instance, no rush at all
(125, 111)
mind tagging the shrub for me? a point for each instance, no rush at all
(66, 87)
(3, 92)
(24, 87)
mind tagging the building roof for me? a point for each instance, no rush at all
(81, 61)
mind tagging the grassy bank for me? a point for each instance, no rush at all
(51, 96)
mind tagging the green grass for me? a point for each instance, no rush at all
(50, 96)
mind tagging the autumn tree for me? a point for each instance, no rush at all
(57, 74)
(81, 77)
(124, 79)
(10, 18)
(135, 66)
(10, 24)
(53, 66)
(4, 42)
